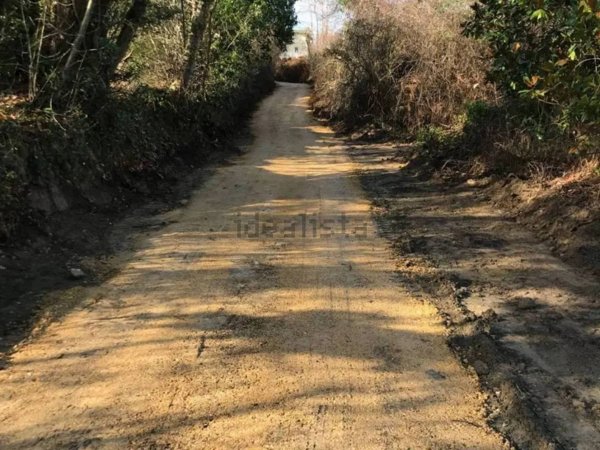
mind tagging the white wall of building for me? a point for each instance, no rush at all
(299, 47)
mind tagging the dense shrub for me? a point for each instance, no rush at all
(401, 66)
(547, 52)
(511, 83)
(126, 144)
(293, 70)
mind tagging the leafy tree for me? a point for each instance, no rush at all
(64, 51)
(245, 36)
(545, 51)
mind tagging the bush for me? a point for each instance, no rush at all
(293, 70)
(134, 138)
(545, 52)
(401, 66)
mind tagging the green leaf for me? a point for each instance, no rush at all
(539, 14)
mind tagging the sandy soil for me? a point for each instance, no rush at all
(265, 315)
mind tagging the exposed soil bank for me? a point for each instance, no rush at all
(525, 321)
(561, 205)
(563, 212)
(40, 266)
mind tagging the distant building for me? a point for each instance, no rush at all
(300, 45)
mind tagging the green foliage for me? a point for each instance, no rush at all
(151, 36)
(15, 34)
(440, 146)
(546, 52)
(250, 32)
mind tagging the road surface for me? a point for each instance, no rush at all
(265, 315)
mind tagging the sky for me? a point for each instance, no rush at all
(309, 11)
(304, 16)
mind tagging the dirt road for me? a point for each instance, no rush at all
(265, 315)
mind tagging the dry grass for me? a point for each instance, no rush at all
(157, 57)
(586, 169)
(584, 172)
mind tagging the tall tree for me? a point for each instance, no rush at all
(199, 26)
(133, 20)
(67, 74)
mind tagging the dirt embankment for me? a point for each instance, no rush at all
(561, 204)
(522, 318)
(564, 211)
(44, 270)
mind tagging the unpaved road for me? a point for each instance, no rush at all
(212, 337)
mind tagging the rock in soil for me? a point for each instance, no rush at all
(481, 368)
(76, 273)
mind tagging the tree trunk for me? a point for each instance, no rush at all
(184, 31)
(68, 69)
(99, 25)
(133, 19)
(207, 51)
(199, 24)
